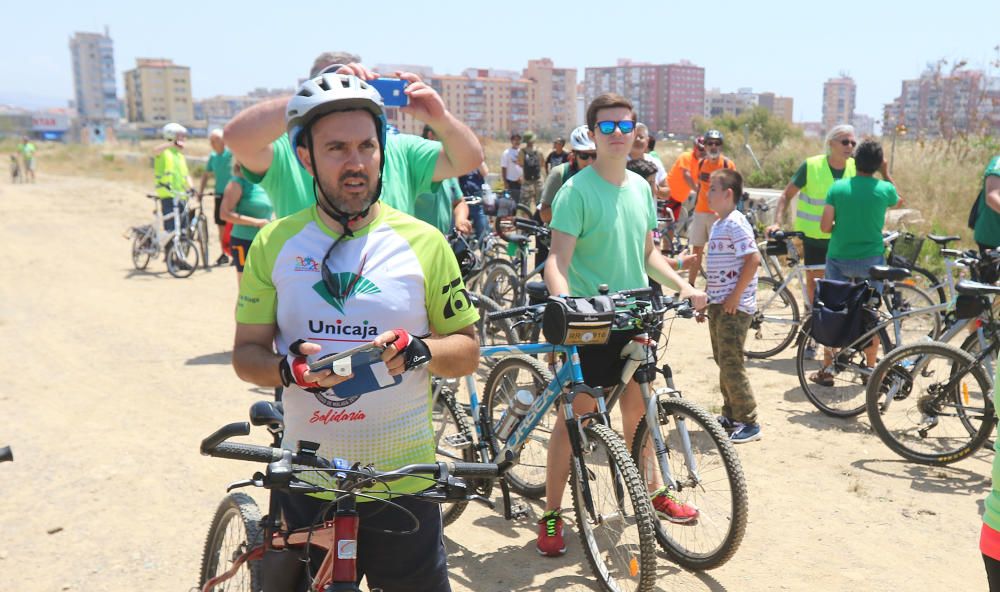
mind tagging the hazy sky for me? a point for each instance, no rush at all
(786, 47)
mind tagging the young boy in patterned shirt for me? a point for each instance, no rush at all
(732, 264)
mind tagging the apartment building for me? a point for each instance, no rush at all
(666, 97)
(159, 91)
(555, 96)
(94, 86)
(934, 105)
(780, 107)
(839, 99)
(492, 105)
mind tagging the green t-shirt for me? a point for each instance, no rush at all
(991, 506)
(221, 167)
(610, 224)
(435, 207)
(28, 150)
(254, 203)
(408, 172)
(859, 206)
(988, 223)
(799, 178)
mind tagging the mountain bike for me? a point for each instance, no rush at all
(503, 280)
(932, 403)
(239, 536)
(149, 240)
(196, 227)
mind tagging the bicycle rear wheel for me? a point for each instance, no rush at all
(510, 375)
(617, 533)
(843, 395)
(201, 235)
(182, 257)
(930, 403)
(454, 440)
(919, 325)
(142, 248)
(713, 483)
(235, 530)
(501, 283)
(775, 323)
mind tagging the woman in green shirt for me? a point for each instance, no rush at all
(249, 209)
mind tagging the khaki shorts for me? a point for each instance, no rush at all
(701, 227)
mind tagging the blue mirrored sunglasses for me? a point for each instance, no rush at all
(608, 127)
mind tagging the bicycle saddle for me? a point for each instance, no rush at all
(884, 272)
(969, 287)
(267, 413)
(537, 292)
(943, 240)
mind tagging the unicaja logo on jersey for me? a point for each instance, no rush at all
(306, 264)
(347, 284)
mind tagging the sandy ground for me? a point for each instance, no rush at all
(111, 377)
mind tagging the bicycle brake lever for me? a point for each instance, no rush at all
(244, 483)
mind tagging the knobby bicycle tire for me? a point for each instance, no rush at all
(715, 486)
(201, 235)
(846, 398)
(620, 530)
(527, 477)
(454, 442)
(235, 529)
(182, 259)
(502, 284)
(918, 420)
(776, 322)
(972, 347)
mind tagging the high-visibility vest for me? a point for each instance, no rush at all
(812, 197)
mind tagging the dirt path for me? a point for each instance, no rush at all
(111, 377)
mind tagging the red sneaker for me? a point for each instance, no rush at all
(668, 507)
(550, 535)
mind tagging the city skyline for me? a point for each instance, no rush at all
(231, 52)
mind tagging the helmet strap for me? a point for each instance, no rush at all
(325, 203)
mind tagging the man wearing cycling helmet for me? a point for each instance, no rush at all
(351, 270)
(171, 171)
(583, 153)
(704, 217)
(257, 139)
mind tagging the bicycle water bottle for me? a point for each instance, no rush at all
(514, 414)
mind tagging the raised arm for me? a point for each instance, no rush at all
(250, 133)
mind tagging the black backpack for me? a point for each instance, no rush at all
(532, 165)
(839, 316)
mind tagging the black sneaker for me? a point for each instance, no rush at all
(222, 260)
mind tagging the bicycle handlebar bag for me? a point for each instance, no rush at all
(839, 316)
(578, 321)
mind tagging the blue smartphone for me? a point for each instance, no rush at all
(391, 90)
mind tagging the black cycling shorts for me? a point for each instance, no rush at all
(218, 211)
(815, 250)
(239, 247)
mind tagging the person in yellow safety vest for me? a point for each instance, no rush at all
(171, 171)
(811, 182)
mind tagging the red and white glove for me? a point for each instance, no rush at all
(415, 351)
(293, 368)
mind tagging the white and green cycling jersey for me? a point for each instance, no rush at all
(397, 272)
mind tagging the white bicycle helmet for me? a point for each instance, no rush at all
(327, 93)
(580, 140)
(171, 130)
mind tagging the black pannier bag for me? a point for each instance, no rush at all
(578, 321)
(839, 315)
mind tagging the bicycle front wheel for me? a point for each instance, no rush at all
(775, 323)
(502, 284)
(616, 522)
(235, 530)
(182, 257)
(510, 375)
(930, 403)
(834, 379)
(705, 473)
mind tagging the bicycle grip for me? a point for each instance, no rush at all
(506, 314)
(248, 452)
(475, 470)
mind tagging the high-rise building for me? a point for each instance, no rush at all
(719, 103)
(666, 97)
(493, 106)
(965, 101)
(95, 90)
(780, 107)
(839, 97)
(158, 91)
(555, 96)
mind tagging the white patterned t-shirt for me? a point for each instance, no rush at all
(730, 241)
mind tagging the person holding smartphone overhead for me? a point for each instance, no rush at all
(351, 271)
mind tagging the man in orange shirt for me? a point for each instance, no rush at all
(704, 217)
(680, 180)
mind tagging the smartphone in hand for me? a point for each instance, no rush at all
(342, 363)
(391, 90)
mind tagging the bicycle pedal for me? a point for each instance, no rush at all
(519, 510)
(458, 441)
